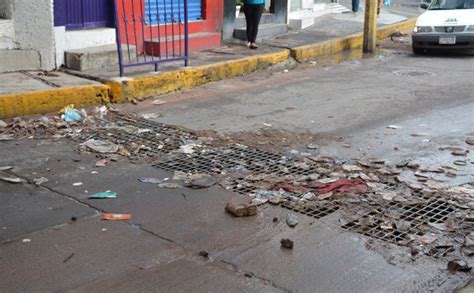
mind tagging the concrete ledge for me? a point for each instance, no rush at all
(15, 60)
(40, 102)
(346, 43)
(127, 89)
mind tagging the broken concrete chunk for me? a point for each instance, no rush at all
(200, 180)
(3, 124)
(292, 220)
(351, 168)
(102, 146)
(241, 210)
(287, 243)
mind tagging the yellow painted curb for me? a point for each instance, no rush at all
(40, 102)
(346, 43)
(187, 78)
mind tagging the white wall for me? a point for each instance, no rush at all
(34, 29)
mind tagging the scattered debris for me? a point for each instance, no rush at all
(248, 275)
(6, 168)
(5, 137)
(3, 124)
(77, 184)
(200, 180)
(40, 180)
(460, 153)
(103, 195)
(101, 163)
(102, 146)
(312, 147)
(26, 240)
(116, 217)
(68, 258)
(394, 127)
(12, 179)
(158, 102)
(460, 163)
(267, 124)
(470, 140)
(241, 210)
(204, 253)
(169, 185)
(151, 180)
(150, 116)
(70, 114)
(292, 220)
(286, 243)
(458, 265)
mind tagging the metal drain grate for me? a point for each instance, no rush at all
(237, 158)
(420, 215)
(317, 210)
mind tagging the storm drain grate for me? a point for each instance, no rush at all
(420, 216)
(316, 210)
(234, 158)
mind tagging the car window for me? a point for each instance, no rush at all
(451, 4)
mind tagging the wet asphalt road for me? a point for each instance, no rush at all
(43, 249)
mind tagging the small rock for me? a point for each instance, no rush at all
(458, 265)
(460, 153)
(5, 137)
(102, 146)
(351, 168)
(460, 163)
(3, 124)
(204, 253)
(275, 219)
(394, 127)
(292, 220)
(241, 210)
(158, 102)
(287, 243)
(248, 275)
(312, 147)
(470, 140)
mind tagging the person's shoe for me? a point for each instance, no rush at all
(356, 13)
(248, 44)
(253, 46)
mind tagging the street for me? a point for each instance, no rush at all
(398, 127)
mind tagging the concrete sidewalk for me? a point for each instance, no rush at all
(30, 93)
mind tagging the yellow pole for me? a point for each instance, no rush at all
(370, 26)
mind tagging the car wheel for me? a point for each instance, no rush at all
(418, 51)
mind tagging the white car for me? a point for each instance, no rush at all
(445, 24)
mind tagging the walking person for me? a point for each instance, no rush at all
(355, 6)
(253, 10)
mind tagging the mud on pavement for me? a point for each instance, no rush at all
(407, 211)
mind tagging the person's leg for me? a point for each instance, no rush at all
(256, 21)
(355, 5)
(248, 21)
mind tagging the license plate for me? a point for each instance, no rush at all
(447, 40)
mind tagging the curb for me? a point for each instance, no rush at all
(41, 102)
(167, 82)
(346, 43)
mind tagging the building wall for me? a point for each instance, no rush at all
(6, 9)
(34, 29)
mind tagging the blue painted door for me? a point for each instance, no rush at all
(157, 9)
(83, 14)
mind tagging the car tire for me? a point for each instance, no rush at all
(418, 51)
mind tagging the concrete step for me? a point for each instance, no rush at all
(15, 60)
(197, 42)
(266, 19)
(266, 31)
(337, 8)
(94, 57)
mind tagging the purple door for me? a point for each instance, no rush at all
(83, 14)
